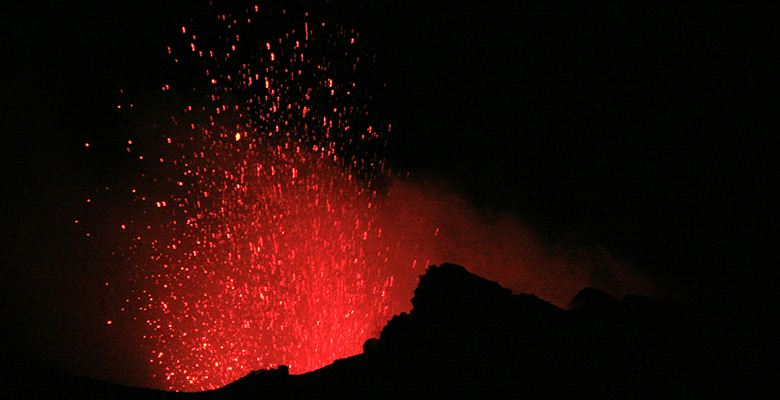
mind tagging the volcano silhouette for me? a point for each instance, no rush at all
(467, 337)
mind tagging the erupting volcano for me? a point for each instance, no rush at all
(193, 191)
(247, 216)
(254, 232)
(263, 228)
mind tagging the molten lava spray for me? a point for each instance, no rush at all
(258, 233)
(255, 239)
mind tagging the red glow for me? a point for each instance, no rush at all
(254, 244)
(257, 238)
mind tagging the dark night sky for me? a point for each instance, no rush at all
(644, 129)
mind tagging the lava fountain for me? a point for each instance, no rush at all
(263, 227)
(254, 234)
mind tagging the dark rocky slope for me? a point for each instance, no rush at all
(468, 337)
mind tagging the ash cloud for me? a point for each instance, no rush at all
(430, 222)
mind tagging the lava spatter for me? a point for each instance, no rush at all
(255, 239)
(263, 227)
